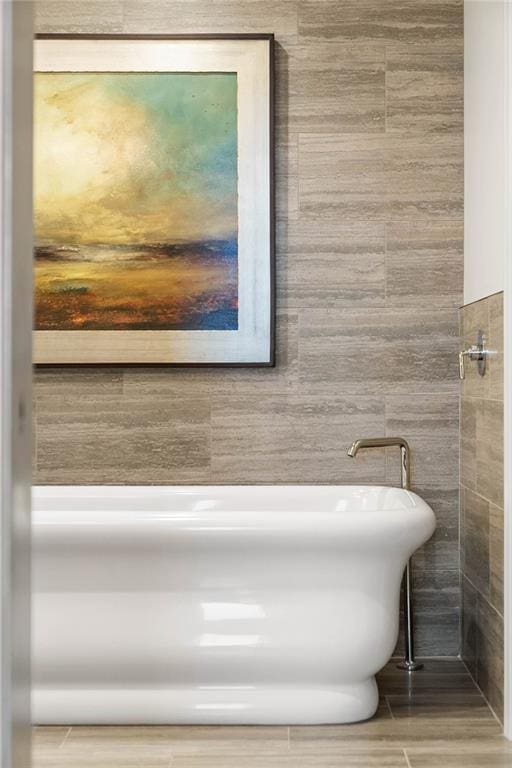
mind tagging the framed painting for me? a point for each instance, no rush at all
(153, 200)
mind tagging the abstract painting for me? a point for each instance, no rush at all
(136, 201)
(137, 219)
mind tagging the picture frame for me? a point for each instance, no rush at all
(220, 339)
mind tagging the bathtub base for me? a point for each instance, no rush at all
(210, 706)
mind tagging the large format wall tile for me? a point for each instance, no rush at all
(481, 477)
(389, 351)
(75, 16)
(408, 21)
(405, 176)
(423, 92)
(295, 439)
(111, 439)
(337, 87)
(424, 264)
(369, 192)
(341, 266)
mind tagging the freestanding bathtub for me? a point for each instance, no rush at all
(217, 604)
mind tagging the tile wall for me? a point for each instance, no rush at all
(481, 501)
(369, 153)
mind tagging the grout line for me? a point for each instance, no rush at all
(389, 707)
(65, 738)
(484, 598)
(407, 758)
(483, 696)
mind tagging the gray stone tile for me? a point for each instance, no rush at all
(365, 21)
(441, 552)
(496, 555)
(469, 626)
(342, 267)
(423, 416)
(424, 92)
(109, 439)
(380, 177)
(342, 177)
(436, 612)
(221, 16)
(475, 318)
(295, 439)
(163, 383)
(424, 264)
(475, 541)
(390, 351)
(56, 382)
(496, 343)
(336, 87)
(76, 16)
(489, 451)
(468, 420)
(287, 178)
(424, 176)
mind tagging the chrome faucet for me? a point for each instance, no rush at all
(409, 663)
(385, 442)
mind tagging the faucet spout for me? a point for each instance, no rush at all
(385, 442)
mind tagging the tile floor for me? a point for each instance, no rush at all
(436, 718)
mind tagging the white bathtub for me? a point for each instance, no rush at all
(217, 604)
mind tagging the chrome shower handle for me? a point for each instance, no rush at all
(473, 352)
(477, 352)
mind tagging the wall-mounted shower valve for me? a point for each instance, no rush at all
(477, 352)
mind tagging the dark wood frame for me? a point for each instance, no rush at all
(229, 36)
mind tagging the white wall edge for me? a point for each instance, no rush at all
(508, 377)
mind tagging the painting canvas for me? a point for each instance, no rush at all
(144, 246)
(136, 201)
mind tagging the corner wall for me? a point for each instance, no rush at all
(481, 430)
(369, 152)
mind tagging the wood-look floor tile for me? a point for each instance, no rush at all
(389, 758)
(98, 759)
(461, 758)
(49, 736)
(435, 733)
(174, 739)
